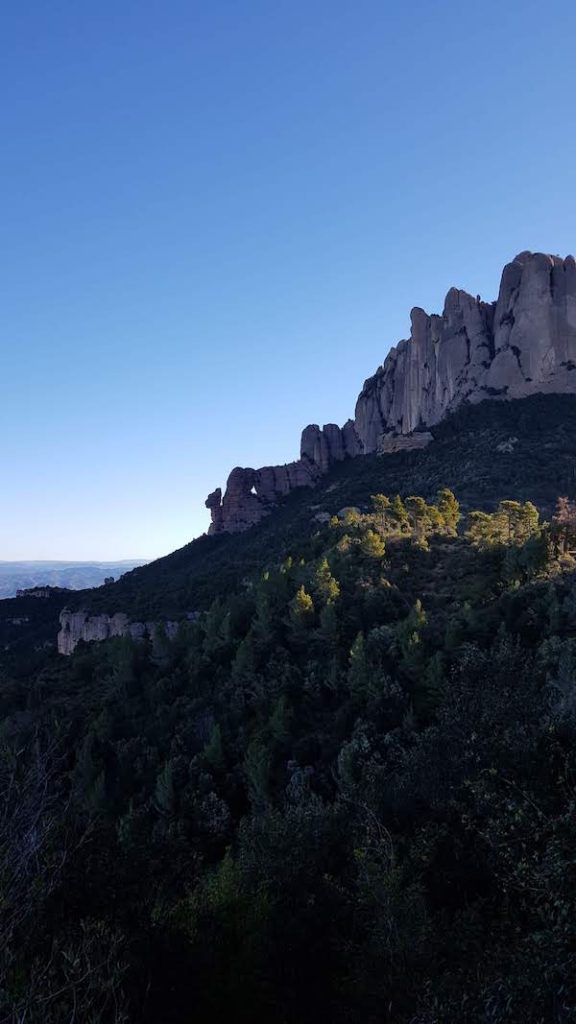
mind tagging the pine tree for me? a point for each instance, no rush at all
(508, 518)
(381, 505)
(563, 526)
(358, 674)
(325, 585)
(409, 632)
(418, 516)
(352, 518)
(399, 514)
(449, 508)
(529, 522)
(482, 529)
(302, 608)
(372, 545)
(328, 632)
(430, 685)
(244, 663)
(216, 626)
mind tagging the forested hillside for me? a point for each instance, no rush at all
(345, 793)
(495, 450)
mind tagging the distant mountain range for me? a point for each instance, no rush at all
(73, 575)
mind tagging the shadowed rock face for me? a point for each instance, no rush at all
(522, 344)
(252, 493)
(79, 626)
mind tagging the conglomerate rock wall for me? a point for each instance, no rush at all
(523, 343)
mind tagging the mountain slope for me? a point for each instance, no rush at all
(343, 793)
(464, 456)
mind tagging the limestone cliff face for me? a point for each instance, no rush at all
(523, 343)
(77, 626)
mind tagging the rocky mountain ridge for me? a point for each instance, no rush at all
(519, 345)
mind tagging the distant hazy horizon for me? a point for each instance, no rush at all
(66, 561)
(216, 219)
(73, 575)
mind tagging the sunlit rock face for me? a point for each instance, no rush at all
(535, 327)
(430, 373)
(523, 343)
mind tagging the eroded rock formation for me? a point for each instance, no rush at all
(252, 493)
(523, 343)
(77, 626)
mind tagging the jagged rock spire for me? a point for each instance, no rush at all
(523, 343)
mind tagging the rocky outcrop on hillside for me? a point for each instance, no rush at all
(390, 443)
(523, 343)
(79, 626)
(252, 493)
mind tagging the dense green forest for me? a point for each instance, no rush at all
(345, 793)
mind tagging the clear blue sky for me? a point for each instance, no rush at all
(217, 215)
